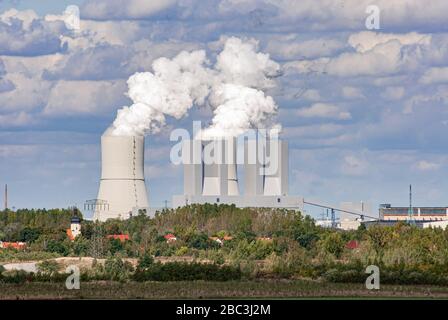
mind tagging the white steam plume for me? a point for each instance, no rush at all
(233, 88)
(237, 100)
(171, 90)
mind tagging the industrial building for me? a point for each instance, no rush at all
(122, 191)
(265, 166)
(389, 213)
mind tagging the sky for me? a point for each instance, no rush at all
(365, 111)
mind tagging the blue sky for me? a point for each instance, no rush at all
(365, 112)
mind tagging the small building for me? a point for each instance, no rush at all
(170, 238)
(121, 237)
(12, 245)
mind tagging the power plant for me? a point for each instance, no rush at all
(211, 175)
(122, 191)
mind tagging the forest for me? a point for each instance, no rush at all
(231, 243)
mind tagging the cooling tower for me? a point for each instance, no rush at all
(122, 184)
(220, 178)
(276, 168)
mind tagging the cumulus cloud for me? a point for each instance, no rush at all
(378, 54)
(367, 40)
(84, 97)
(352, 93)
(96, 63)
(291, 47)
(435, 75)
(26, 93)
(324, 110)
(123, 9)
(22, 33)
(393, 93)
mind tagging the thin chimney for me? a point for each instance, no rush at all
(6, 196)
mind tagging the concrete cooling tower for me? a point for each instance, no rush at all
(122, 184)
(220, 178)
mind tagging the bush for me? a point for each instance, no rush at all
(181, 271)
(57, 247)
(48, 267)
(116, 269)
(145, 261)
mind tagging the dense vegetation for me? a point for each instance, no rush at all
(258, 243)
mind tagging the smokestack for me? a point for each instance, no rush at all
(6, 196)
(122, 183)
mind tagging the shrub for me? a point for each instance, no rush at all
(116, 269)
(181, 251)
(145, 261)
(48, 267)
(181, 271)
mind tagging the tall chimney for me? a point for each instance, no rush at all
(6, 196)
(122, 183)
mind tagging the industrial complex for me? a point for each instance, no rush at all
(265, 184)
(211, 175)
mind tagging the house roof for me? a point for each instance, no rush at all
(121, 237)
(352, 244)
(13, 245)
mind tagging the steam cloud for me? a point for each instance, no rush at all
(233, 87)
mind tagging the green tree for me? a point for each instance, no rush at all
(334, 244)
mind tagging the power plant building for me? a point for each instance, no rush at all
(265, 170)
(122, 191)
(389, 213)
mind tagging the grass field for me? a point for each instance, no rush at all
(209, 290)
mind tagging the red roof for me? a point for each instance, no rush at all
(352, 244)
(12, 245)
(121, 237)
(169, 236)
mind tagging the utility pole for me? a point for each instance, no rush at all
(333, 219)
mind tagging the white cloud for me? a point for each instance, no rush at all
(426, 165)
(16, 119)
(28, 93)
(23, 33)
(367, 40)
(393, 93)
(352, 93)
(311, 95)
(435, 75)
(85, 97)
(324, 110)
(354, 166)
(123, 9)
(290, 47)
